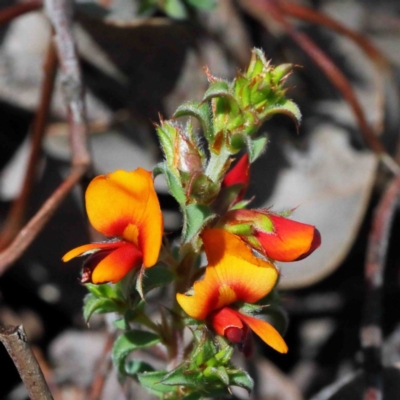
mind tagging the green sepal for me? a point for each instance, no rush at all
(241, 204)
(181, 376)
(280, 72)
(129, 342)
(240, 229)
(242, 90)
(217, 373)
(200, 111)
(257, 63)
(155, 277)
(151, 382)
(242, 379)
(196, 217)
(256, 147)
(263, 223)
(105, 290)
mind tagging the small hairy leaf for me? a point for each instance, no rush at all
(131, 341)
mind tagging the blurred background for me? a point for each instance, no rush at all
(142, 59)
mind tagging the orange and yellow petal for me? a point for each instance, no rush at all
(125, 204)
(265, 331)
(87, 249)
(117, 264)
(233, 274)
(290, 240)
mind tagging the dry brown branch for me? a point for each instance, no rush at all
(9, 13)
(380, 61)
(16, 343)
(266, 9)
(16, 216)
(371, 335)
(35, 225)
(60, 14)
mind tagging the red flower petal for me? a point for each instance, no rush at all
(290, 240)
(117, 264)
(239, 175)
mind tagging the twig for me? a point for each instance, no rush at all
(16, 343)
(9, 13)
(381, 62)
(60, 14)
(262, 11)
(34, 226)
(103, 369)
(16, 216)
(371, 335)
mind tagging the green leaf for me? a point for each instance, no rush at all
(134, 367)
(200, 111)
(131, 341)
(157, 276)
(151, 381)
(256, 147)
(93, 304)
(182, 377)
(197, 216)
(218, 89)
(174, 185)
(105, 290)
(175, 9)
(202, 4)
(286, 107)
(242, 379)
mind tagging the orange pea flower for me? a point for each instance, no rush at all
(233, 275)
(239, 175)
(124, 206)
(279, 238)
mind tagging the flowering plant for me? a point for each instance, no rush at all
(224, 302)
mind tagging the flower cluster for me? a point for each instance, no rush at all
(229, 296)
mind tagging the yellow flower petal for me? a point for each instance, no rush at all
(125, 204)
(233, 274)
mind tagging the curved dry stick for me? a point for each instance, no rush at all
(103, 368)
(9, 13)
(262, 10)
(16, 216)
(378, 58)
(16, 343)
(60, 13)
(371, 335)
(35, 225)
